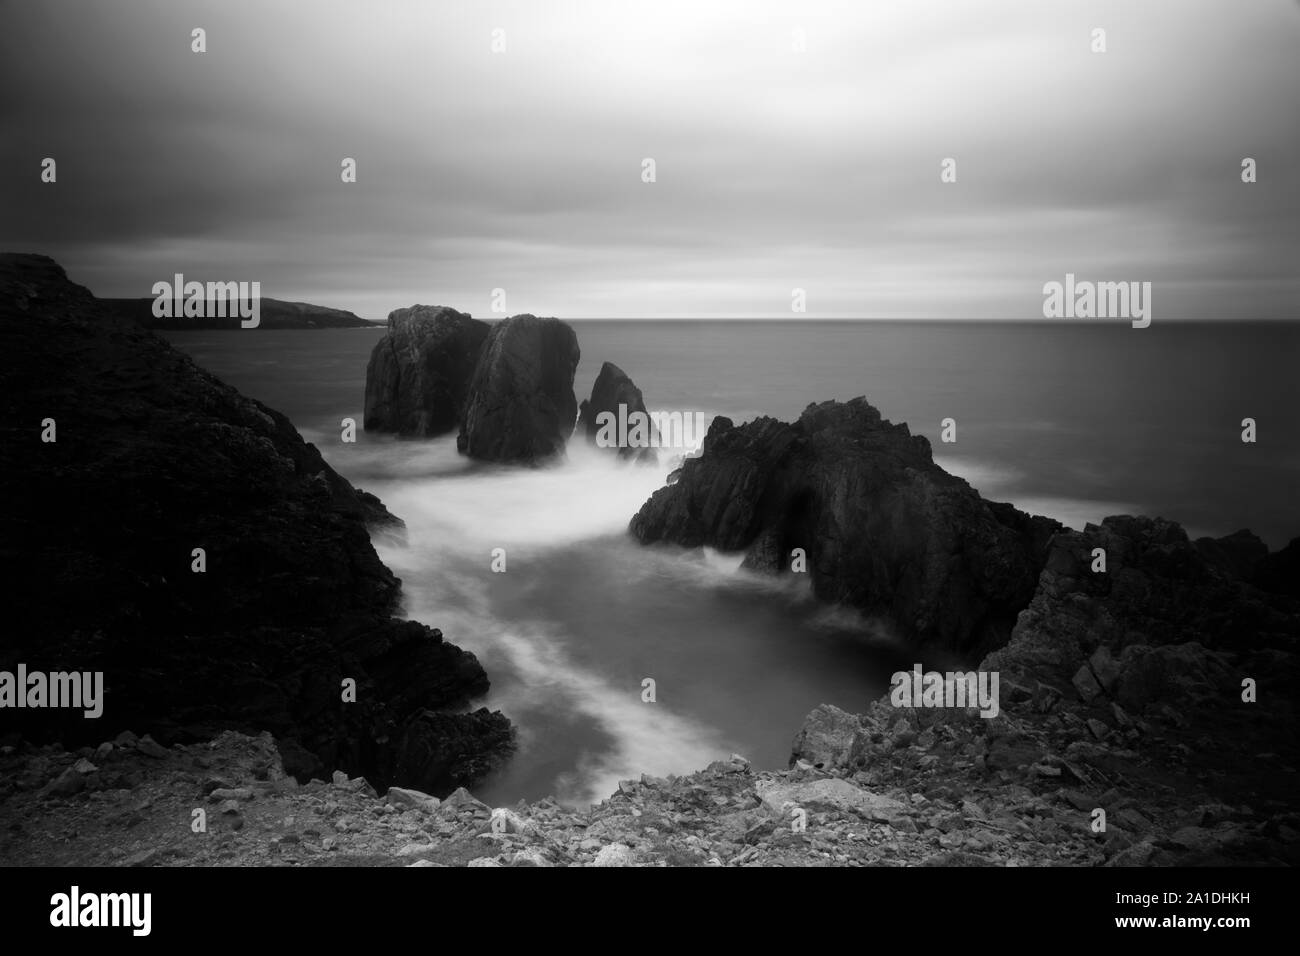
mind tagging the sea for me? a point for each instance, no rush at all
(613, 659)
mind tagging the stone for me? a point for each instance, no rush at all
(1086, 684)
(832, 794)
(461, 799)
(827, 738)
(411, 800)
(66, 784)
(151, 748)
(615, 854)
(236, 794)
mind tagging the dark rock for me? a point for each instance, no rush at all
(521, 407)
(612, 390)
(156, 457)
(447, 751)
(1152, 628)
(1279, 572)
(151, 748)
(418, 377)
(1238, 554)
(883, 527)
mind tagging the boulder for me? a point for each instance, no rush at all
(827, 737)
(419, 372)
(614, 394)
(521, 408)
(405, 799)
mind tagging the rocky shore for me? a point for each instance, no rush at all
(187, 543)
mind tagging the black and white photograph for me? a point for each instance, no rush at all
(688, 435)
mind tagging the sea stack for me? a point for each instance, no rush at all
(613, 388)
(521, 407)
(419, 372)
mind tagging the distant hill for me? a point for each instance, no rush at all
(275, 314)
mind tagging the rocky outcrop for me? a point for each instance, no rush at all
(521, 407)
(418, 377)
(1122, 690)
(883, 528)
(616, 395)
(185, 541)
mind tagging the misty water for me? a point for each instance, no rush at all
(1076, 421)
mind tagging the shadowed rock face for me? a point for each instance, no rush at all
(1123, 689)
(156, 457)
(521, 407)
(419, 372)
(1155, 626)
(883, 527)
(612, 389)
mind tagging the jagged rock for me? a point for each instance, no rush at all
(883, 527)
(521, 408)
(1154, 627)
(417, 380)
(827, 738)
(236, 793)
(411, 799)
(461, 799)
(150, 747)
(1085, 682)
(1185, 672)
(66, 784)
(611, 390)
(1279, 572)
(154, 458)
(828, 794)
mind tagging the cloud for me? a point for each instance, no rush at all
(521, 169)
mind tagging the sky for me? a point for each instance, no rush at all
(776, 169)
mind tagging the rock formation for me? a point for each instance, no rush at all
(883, 528)
(418, 377)
(612, 390)
(1121, 690)
(521, 407)
(153, 458)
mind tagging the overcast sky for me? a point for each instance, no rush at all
(523, 169)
